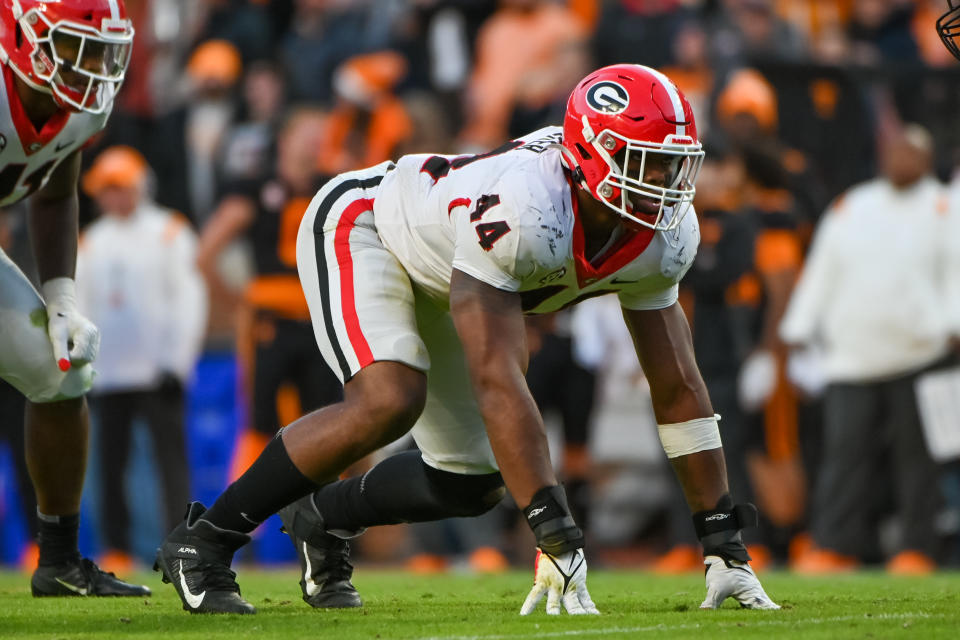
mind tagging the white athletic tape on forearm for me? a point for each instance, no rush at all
(684, 438)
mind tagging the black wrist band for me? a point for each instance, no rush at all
(719, 529)
(549, 517)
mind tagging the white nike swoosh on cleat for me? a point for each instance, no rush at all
(311, 586)
(193, 600)
(78, 590)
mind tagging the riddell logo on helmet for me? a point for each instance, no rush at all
(607, 97)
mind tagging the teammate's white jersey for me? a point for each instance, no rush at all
(507, 218)
(28, 156)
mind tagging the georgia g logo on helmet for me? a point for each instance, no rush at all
(607, 97)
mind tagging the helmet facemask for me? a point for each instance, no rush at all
(82, 67)
(626, 189)
(948, 26)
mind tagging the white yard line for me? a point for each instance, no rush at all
(572, 633)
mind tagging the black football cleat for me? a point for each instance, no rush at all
(81, 578)
(195, 558)
(324, 558)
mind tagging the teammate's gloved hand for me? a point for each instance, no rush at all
(75, 339)
(733, 579)
(562, 577)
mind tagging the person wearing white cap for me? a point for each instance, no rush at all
(878, 298)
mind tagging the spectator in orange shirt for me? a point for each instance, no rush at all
(529, 55)
(188, 139)
(368, 121)
(275, 339)
(768, 441)
(748, 115)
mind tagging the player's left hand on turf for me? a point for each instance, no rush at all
(74, 338)
(563, 578)
(733, 579)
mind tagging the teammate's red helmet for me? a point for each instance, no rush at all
(948, 26)
(75, 50)
(622, 113)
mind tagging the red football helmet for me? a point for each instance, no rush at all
(948, 26)
(75, 50)
(620, 122)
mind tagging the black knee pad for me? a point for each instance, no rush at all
(465, 495)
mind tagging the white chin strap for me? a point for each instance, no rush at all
(570, 162)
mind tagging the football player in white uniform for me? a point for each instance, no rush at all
(62, 63)
(418, 275)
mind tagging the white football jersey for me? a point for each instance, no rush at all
(28, 156)
(507, 218)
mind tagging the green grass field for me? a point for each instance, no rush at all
(461, 607)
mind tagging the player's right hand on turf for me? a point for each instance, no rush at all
(75, 340)
(733, 579)
(563, 578)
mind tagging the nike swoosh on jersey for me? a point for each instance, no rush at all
(78, 590)
(194, 600)
(311, 586)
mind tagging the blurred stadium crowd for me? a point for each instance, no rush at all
(234, 112)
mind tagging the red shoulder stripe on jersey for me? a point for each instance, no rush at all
(348, 304)
(30, 139)
(457, 202)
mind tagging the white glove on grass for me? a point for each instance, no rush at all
(562, 577)
(75, 340)
(732, 579)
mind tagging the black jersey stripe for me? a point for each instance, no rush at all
(323, 276)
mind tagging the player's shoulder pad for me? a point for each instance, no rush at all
(680, 247)
(537, 199)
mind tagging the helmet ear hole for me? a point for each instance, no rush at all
(579, 178)
(18, 34)
(583, 152)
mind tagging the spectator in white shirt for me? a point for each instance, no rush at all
(142, 288)
(874, 298)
